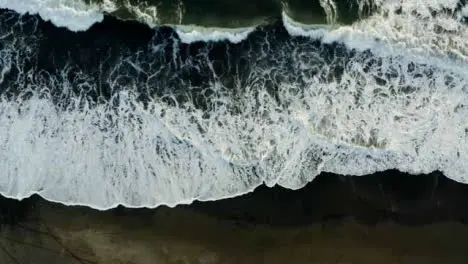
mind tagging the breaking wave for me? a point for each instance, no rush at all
(74, 15)
(126, 114)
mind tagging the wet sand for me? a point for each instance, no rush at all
(78, 235)
(37, 231)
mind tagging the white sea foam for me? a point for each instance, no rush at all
(74, 15)
(407, 112)
(190, 34)
(464, 11)
(144, 13)
(170, 155)
(413, 30)
(297, 29)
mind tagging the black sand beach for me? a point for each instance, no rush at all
(388, 217)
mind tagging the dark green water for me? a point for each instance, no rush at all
(226, 13)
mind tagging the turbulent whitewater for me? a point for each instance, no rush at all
(123, 113)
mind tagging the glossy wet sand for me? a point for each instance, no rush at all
(251, 229)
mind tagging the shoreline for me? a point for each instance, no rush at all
(384, 196)
(270, 225)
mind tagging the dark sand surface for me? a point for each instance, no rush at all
(335, 219)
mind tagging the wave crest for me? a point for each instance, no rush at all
(74, 15)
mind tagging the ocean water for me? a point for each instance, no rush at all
(148, 103)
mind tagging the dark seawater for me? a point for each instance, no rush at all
(385, 196)
(115, 55)
(232, 14)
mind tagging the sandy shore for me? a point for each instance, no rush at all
(53, 233)
(388, 217)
